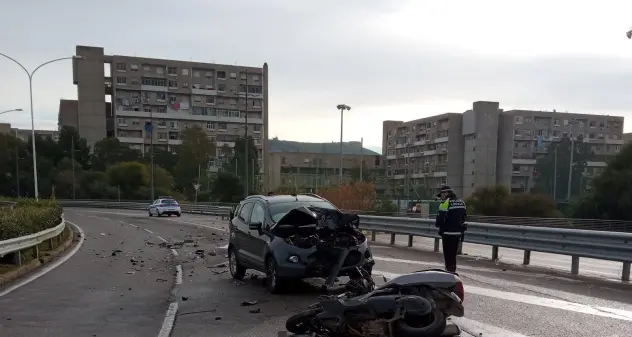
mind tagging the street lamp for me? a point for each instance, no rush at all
(342, 108)
(30, 75)
(12, 110)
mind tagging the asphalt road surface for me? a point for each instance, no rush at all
(140, 276)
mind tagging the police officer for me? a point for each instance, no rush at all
(451, 224)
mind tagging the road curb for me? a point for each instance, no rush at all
(7, 278)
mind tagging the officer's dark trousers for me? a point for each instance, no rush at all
(450, 250)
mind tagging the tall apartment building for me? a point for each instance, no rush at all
(173, 95)
(486, 146)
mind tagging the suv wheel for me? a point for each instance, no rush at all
(237, 271)
(150, 213)
(179, 214)
(273, 282)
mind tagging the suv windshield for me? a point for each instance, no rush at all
(278, 210)
(169, 202)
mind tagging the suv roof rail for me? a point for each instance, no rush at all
(253, 196)
(313, 195)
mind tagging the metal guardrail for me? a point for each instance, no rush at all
(610, 246)
(28, 241)
(206, 209)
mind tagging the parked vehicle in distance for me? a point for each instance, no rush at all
(291, 237)
(162, 207)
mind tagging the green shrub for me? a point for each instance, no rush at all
(29, 217)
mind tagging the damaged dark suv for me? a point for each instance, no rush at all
(291, 237)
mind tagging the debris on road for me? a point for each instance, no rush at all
(161, 280)
(255, 311)
(200, 253)
(116, 251)
(131, 272)
(249, 303)
(219, 265)
(184, 298)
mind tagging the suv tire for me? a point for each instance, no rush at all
(237, 271)
(274, 283)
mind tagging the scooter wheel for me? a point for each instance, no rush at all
(301, 323)
(434, 329)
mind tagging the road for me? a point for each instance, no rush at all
(170, 278)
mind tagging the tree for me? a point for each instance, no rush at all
(227, 188)
(238, 161)
(548, 165)
(69, 139)
(194, 154)
(611, 194)
(166, 160)
(488, 200)
(366, 175)
(496, 201)
(129, 177)
(110, 151)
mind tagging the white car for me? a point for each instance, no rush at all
(162, 207)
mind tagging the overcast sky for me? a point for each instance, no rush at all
(387, 59)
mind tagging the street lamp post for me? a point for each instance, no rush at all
(342, 108)
(30, 75)
(12, 110)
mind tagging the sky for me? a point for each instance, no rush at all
(388, 60)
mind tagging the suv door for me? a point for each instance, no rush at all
(257, 240)
(241, 233)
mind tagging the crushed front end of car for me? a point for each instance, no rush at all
(319, 242)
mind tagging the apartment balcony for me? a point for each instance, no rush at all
(154, 88)
(614, 141)
(131, 140)
(441, 140)
(391, 157)
(174, 141)
(201, 91)
(221, 144)
(522, 161)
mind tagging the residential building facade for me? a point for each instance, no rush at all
(486, 145)
(309, 166)
(172, 95)
(25, 134)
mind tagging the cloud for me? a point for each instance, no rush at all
(321, 54)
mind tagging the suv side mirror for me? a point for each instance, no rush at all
(255, 226)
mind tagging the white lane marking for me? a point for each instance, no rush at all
(174, 252)
(440, 265)
(198, 224)
(54, 264)
(161, 238)
(476, 328)
(178, 274)
(148, 231)
(170, 318)
(620, 314)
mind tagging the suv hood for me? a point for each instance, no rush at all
(300, 216)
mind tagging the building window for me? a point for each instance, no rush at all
(518, 119)
(221, 126)
(156, 82)
(173, 124)
(185, 71)
(210, 126)
(162, 135)
(121, 67)
(162, 109)
(221, 75)
(162, 124)
(172, 71)
(121, 80)
(233, 75)
(172, 99)
(185, 84)
(221, 87)
(256, 128)
(159, 70)
(133, 67)
(173, 84)
(210, 99)
(121, 121)
(196, 73)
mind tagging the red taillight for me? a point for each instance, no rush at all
(460, 291)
